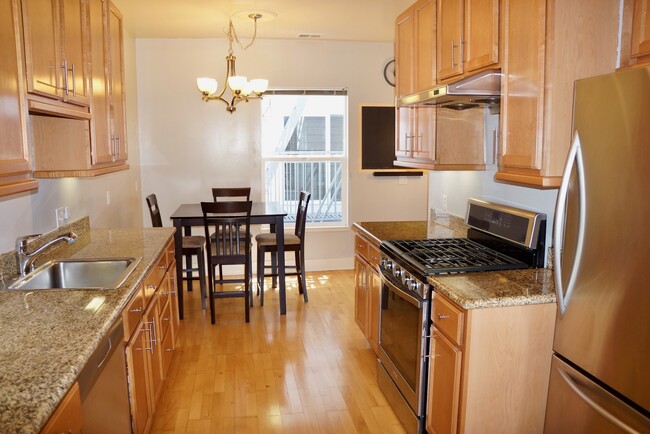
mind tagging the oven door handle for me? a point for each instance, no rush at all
(405, 296)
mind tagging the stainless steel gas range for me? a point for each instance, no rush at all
(499, 238)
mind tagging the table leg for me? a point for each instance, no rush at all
(279, 235)
(178, 253)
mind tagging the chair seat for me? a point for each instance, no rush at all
(270, 240)
(193, 242)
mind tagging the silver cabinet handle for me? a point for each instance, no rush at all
(74, 85)
(136, 310)
(575, 155)
(65, 77)
(441, 317)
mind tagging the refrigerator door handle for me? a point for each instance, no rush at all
(577, 387)
(564, 294)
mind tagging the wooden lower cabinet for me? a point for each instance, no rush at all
(367, 289)
(150, 347)
(489, 368)
(67, 417)
(137, 367)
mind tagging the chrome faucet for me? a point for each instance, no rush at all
(26, 259)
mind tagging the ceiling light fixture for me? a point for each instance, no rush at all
(240, 87)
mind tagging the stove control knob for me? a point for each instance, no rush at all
(387, 264)
(397, 272)
(415, 285)
(407, 279)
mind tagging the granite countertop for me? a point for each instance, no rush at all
(468, 290)
(47, 336)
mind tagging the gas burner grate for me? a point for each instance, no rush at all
(453, 255)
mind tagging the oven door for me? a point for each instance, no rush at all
(403, 342)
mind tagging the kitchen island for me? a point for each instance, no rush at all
(48, 335)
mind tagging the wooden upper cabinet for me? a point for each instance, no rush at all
(55, 49)
(467, 36)
(415, 48)
(481, 42)
(424, 13)
(541, 63)
(450, 38)
(117, 97)
(15, 164)
(404, 46)
(640, 49)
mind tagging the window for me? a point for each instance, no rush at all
(304, 147)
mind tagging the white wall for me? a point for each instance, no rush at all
(189, 146)
(33, 212)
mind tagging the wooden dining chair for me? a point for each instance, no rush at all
(230, 194)
(193, 245)
(228, 221)
(292, 243)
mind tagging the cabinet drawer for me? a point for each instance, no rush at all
(361, 247)
(132, 313)
(448, 318)
(155, 278)
(373, 256)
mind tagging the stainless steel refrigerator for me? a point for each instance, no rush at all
(600, 374)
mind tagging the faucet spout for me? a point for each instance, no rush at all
(26, 259)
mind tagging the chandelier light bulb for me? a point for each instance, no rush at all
(207, 85)
(259, 85)
(247, 89)
(236, 82)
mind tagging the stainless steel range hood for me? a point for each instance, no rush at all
(483, 88)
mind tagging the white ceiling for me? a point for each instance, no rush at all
(347, 20)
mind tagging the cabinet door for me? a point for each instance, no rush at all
(641, 28)
(154, 347)
(43, 63)
(425, 138)
(74, 33)
(444, 385)
(361, 294)
(404, 28)
(424, 13)
(481, 46)
(137, 366)
(117, 98)
(404, 130)
(102, 151)
(15, 167)
(522, 99)
(449, 38)
(374, 302)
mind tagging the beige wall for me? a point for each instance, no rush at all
(30, 213)
(188, 146)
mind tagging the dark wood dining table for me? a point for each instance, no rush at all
(190, 214)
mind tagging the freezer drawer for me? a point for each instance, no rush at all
(578, 405)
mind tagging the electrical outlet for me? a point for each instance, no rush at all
(444, 202)
(61, 214)
(403, 180)
(108, 197)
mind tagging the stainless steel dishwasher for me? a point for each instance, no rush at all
(103, 387)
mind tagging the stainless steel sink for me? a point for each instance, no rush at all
(91, 273)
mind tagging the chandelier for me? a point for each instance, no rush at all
(240, 87)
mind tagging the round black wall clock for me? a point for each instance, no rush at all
(389, 72)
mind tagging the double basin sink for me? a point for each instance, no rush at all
(96, 273)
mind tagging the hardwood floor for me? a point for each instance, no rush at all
(311, 371)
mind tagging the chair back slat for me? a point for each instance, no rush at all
(243, 193)
(154, 211)
(301, 214)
